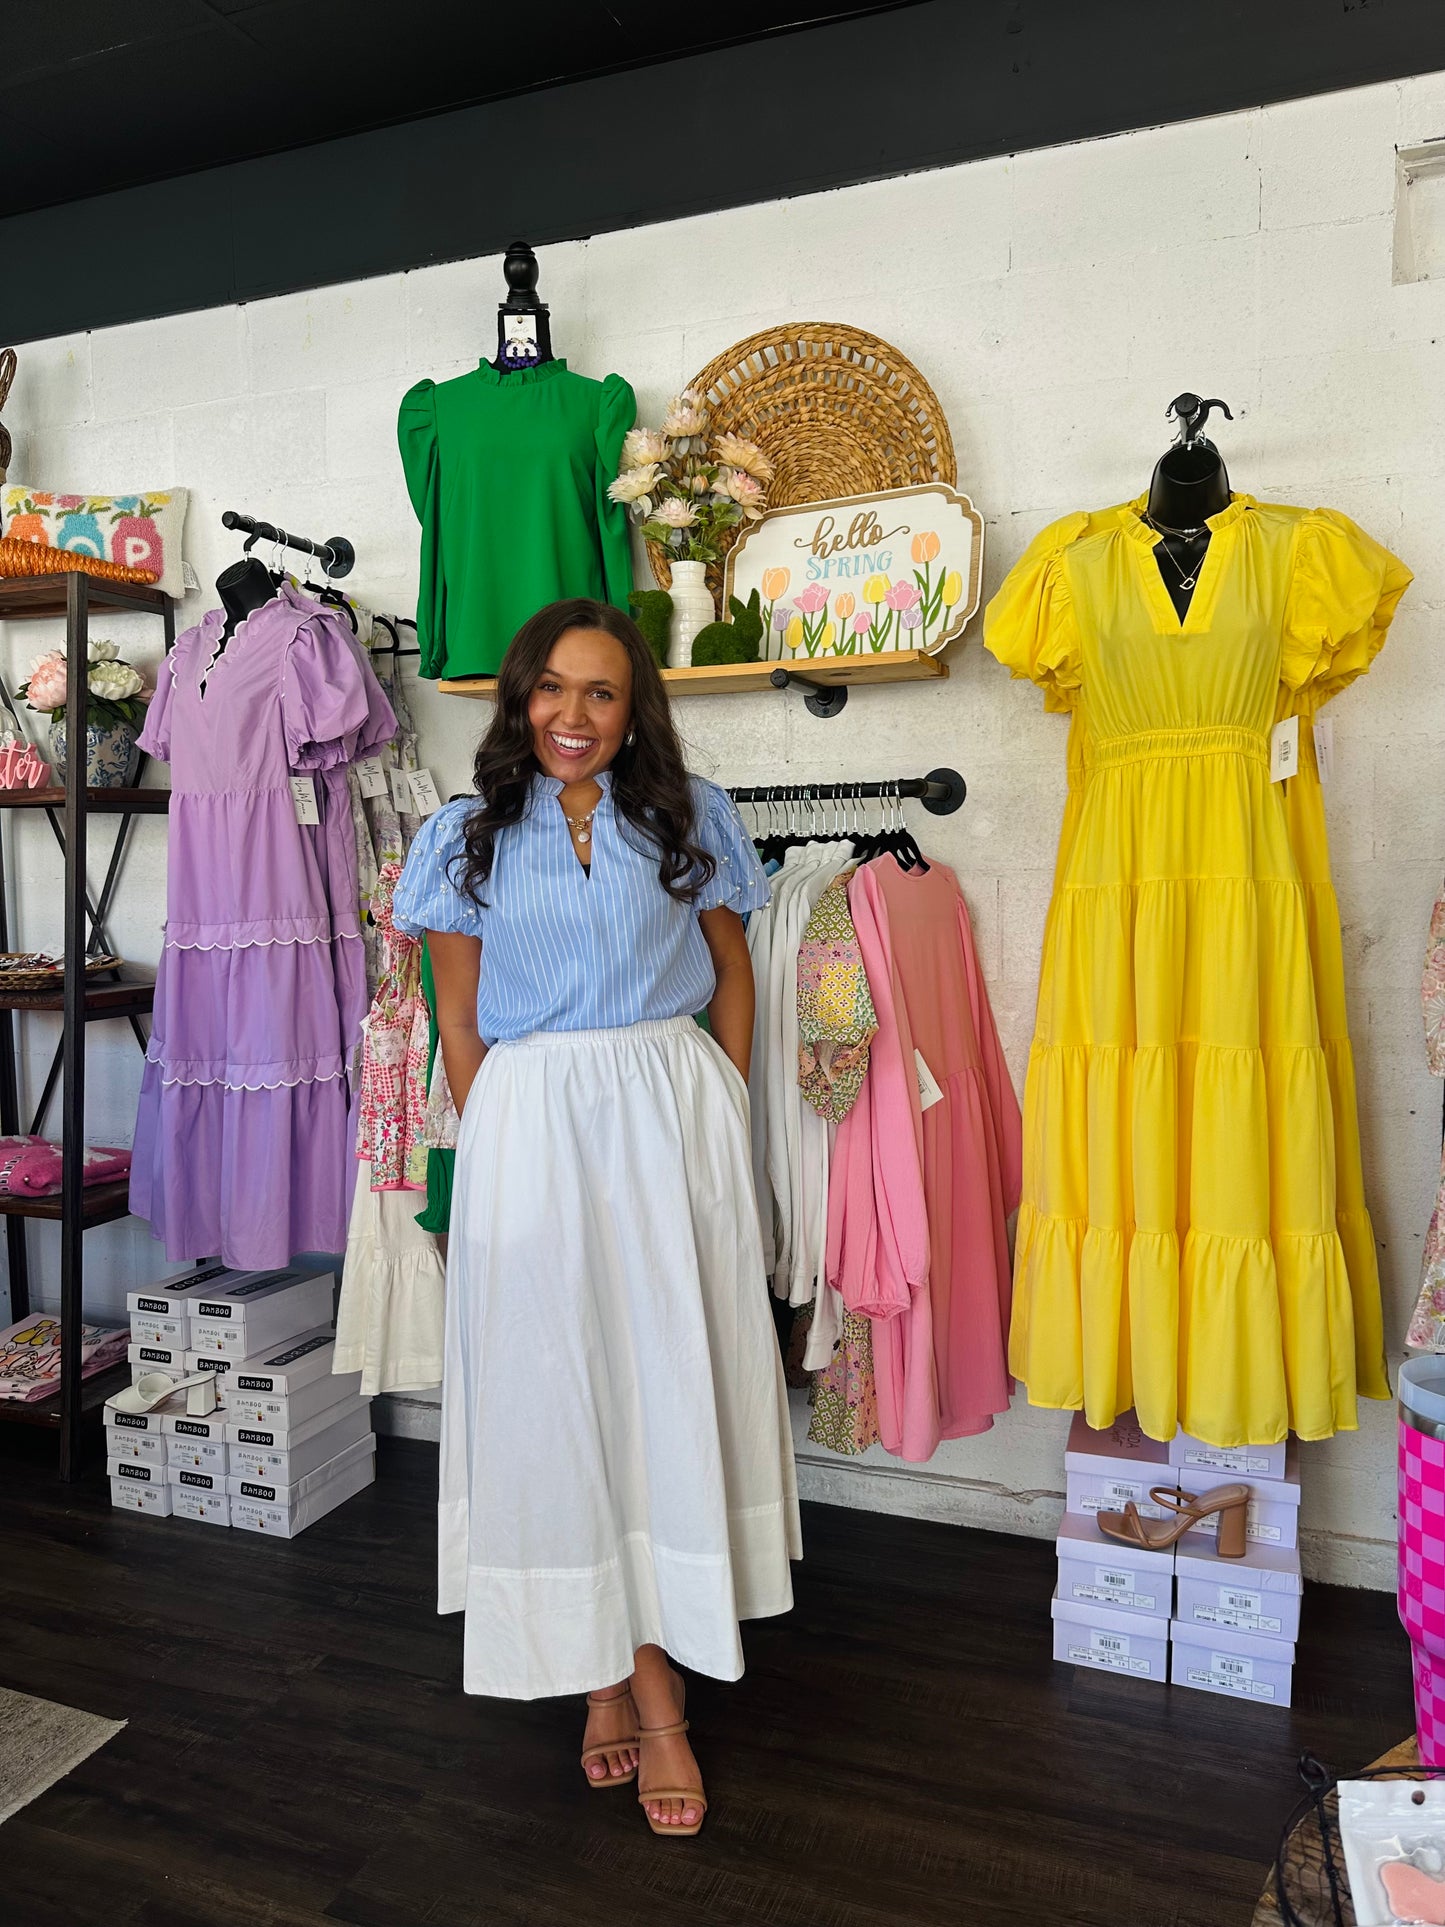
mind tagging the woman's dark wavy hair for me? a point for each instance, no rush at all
(650, 788)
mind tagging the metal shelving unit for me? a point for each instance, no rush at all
(79, 1001)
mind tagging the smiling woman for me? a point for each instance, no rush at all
(617, 1484)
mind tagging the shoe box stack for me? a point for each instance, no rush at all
(288, 1440)
(1217, 1625)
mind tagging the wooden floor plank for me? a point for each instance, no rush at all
(902, 1753)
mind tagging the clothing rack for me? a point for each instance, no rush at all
(941, 792)
(336, 555)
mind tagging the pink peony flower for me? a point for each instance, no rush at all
(902, 595)
(46, 688)
(813, 599)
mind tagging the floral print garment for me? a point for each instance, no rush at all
(836, 1018)
(1427, 1326)
(392, 1132)
(845, 1396)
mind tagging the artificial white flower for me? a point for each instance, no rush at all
(733, 485)
(699, 484)
(102, 651)
(113, 681)
(633, 483)
(643, 446)
(685, 416)
(734, 452)
(675, 514)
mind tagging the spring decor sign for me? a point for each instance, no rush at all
(115, 708)
(864, 574)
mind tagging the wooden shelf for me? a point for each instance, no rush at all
(128, 998)
(94, 1392)
(106, 802)
(728, 679)
(104, 1203)
(26, 596)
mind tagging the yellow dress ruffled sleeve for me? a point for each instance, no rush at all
(1030, 625)
(1343, 593)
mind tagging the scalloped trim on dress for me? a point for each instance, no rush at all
(264, 943)
(222, 1083)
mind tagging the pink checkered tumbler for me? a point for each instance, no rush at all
(1422, 1580)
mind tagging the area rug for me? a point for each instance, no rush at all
(40, 1743)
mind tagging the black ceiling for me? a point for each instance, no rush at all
(97, 95)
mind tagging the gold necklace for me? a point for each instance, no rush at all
(581, 826)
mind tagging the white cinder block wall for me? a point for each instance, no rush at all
(1056, 301)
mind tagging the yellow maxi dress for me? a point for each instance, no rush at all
(1193, 1240)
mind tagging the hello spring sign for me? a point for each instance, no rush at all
(864, 574)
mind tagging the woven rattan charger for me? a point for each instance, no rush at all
(836, 410)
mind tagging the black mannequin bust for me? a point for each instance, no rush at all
(524, 329)
(1189, 484)
(245, 586)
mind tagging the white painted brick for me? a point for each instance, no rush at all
(326, 335)
(249, 447)
(361, 431)
(1358, 413)
(103, 458)
(1330, 158)
(175, 362)
(1084, 204)
(52, 384)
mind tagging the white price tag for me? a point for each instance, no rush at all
(1284, 750)
(371, 777)
(929, 1092)
(303, 796)
(1241, 1602)
(401, 796)
(425, 792)
(1325, 747)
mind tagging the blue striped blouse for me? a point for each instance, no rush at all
(562, 950)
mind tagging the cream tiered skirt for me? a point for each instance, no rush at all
(616, 1458)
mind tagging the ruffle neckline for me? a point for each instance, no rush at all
(554, 786)
(1131, 518)
(520, 377)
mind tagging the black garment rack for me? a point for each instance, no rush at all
(336, 555)
(941, 792)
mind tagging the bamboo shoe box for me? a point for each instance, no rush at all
(150, 1357)
(1095, 1571)
(289, 1386)
(284, 1510)
(135, 1436)
(1109, 1641)
(161, 1315)
(136, 1486)
(264, 1311)
(254, 1453)
(210, 1507)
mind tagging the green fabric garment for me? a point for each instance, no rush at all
(439, 1164)
(508, 475)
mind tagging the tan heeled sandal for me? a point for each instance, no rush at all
(1231, 1502)
(663, 1829)
(591, 1753)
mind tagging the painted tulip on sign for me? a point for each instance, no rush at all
(908, 559)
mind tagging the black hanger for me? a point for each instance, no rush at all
(326, 592)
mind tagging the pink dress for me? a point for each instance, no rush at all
(919, 1199)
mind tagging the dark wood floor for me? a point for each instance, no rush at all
(903, 1752)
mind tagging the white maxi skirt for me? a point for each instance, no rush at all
(616, 1458)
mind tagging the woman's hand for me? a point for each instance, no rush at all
(456, 964)
(730, 1014)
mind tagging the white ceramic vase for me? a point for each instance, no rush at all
(692, 609)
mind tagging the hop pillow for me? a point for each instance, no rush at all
(137, 531)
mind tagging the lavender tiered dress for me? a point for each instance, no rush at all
(242, 1144)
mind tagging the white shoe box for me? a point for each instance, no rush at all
(198, 1455)
(1215, 1659)
(254, 1455)
(210, 1508)
(135, 1475)
(1105, 1470)
(1273, 1513)
(189, 1479)
(161, 1315)
(180, 1425)
(286, 1414)
(155, 1358)
(1188, 1454)
(221, 1368)
(133, 1495)
(263, 1312)
(1095, 1571)
(283, 1511)
(1136, 1644)
(122, 1441)
(1260, 1593)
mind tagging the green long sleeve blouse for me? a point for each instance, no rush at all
(508, 475)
